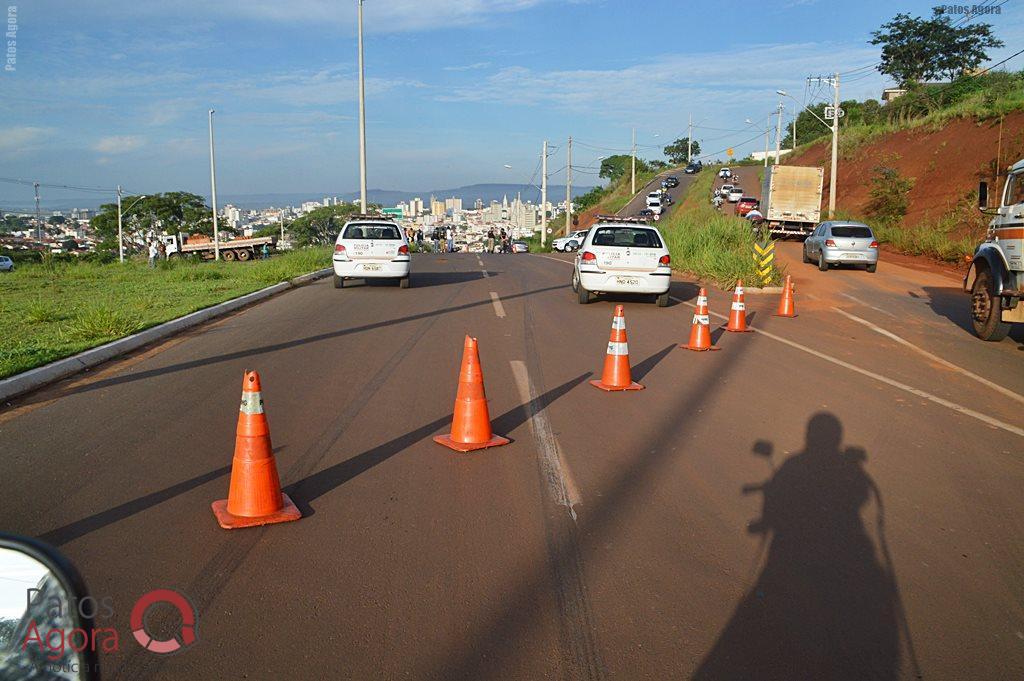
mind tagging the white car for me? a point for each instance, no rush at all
(569, 243)
(622, 258)
(370, 248)
(725, 189)
(6, 264)
(735, 194)
(725, 173)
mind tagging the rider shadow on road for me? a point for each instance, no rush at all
(826, 604)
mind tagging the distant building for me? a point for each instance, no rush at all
(891, 93)
(436, 207)
(416, 207)
(478, 204)
(453, 204)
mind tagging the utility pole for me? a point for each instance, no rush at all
(362, 119)
(767, 133)
(213, 193)
(794, 131)
(633, 166)
(778, 134)
(544, 193)
(836, 115)
(39, 225)
(120, 232)
(689, 140)
(568, 188)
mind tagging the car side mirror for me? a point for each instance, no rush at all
(983, 195)
(41, 599)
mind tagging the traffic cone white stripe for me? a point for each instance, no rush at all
(739, 306)
(252, 403)
(619, 323)
(618, 348)
(702, 300)
(702, 319)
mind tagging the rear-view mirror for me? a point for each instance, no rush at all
(983, 195)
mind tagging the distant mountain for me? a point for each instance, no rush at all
(387, 197)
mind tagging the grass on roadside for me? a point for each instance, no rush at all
(709, 244)
(51, 311)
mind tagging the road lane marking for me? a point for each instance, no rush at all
(560, 483)
(499, 309)
(485, 273)
(480, 261)
(882, 379)
(861, 302)
(935, 358)
(548, 257)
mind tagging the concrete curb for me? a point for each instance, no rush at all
(36, 378)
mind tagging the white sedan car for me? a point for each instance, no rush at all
(371, 249)
(622, 258)
(569, 243)
(725, 173)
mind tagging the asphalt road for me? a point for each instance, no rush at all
(639, 202)
(818, 500)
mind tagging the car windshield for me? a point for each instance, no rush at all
(852, 232)
(370, 230)
(637, 237)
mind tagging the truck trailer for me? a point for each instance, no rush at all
(791, 199)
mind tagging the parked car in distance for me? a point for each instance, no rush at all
(735, 194)
(745, 205)
(6, 264)
(693, 168)
(725, 173)
(842, 243)
(568, 244)
(520, 247)
(622, 258)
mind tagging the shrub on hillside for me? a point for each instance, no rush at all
(889, 190)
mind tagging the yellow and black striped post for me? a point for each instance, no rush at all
(764, 259)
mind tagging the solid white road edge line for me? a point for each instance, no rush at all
(499, 309)
(560, 484)
(935, 358)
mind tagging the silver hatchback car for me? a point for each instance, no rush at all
(842, 243)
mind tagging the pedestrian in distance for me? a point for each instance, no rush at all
(490, 240)
(154, 253)
(419, 239)
(265, 251)
(449, 239)
(435, 240)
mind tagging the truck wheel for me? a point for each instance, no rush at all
(227, 256)
(339, 282)
(985, 309)
(173, 256)
(244, 254)
(822, 265)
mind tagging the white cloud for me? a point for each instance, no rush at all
(119, 144)
(21, 138)
(469, 67)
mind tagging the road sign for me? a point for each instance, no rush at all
(830, 113)
(764, 259)
(729, 152)
(394, 212)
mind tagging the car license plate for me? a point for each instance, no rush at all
(627, 281)
(854, 255)
(372, 268)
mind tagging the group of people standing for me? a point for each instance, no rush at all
(499, 242)
(442, 239)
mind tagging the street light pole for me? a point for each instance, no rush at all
(778, 134)
(568, 188)
(633, 166)
(213, 192)
(362, 119)
(544, 193)
(833, 179)
(120, 231)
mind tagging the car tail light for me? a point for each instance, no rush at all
(587, 256)
(829, 242)
(403, 250)
(339, 248)
(874, 244)
(665, 259)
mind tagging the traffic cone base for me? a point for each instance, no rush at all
(471, 421)
(597, 383)
(447, 441)
(289, 511)
(707, 349)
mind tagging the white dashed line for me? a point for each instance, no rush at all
(560, 483)
(499, 309)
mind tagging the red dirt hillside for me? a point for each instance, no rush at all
(946, 164)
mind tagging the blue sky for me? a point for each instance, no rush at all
(116, 91)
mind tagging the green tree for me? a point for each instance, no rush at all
(889, 189)
(677, 151)
(57, 220)
(320, 226)
(167, 213)
(614, 167)
(916, 49)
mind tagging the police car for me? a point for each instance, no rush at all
(370, 247)
(622, 256)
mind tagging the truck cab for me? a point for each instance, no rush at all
(995, 278)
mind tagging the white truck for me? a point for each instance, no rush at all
(791, 199)
(202, 246)
(995, 278)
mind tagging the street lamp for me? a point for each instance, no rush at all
(834, 128)
(120, 231)
(362, 118)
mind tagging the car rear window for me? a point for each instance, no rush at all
(851, 232)
(636, 237)
(369, 230)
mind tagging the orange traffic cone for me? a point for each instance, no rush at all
(471, 423)
(255, 496)
(738, 313)
(616, 360)
(700, 332)
(786, 307)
